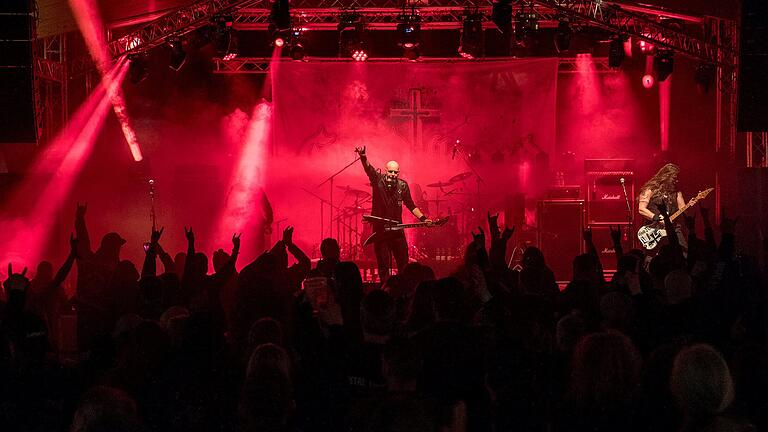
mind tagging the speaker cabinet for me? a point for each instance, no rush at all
(17, 99)
(753, 63)
(601, 237)
(560, 227)
(606, 203)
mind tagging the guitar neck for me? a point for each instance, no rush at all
(402, 226)
(680, 211)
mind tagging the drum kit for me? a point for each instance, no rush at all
(445, 241)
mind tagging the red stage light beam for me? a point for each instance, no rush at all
(33, 208)
(243, 205)
(90, 23)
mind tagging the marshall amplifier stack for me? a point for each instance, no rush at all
(606, 204)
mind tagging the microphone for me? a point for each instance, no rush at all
(622, 180)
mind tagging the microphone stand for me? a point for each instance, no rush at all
(629, 207)
(152, 215)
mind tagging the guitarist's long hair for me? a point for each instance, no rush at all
(662, 181)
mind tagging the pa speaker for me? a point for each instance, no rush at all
(17, 109)
(753, 66)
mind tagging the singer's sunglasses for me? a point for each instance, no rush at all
(393, 171)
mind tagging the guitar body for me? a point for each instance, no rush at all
(651, 235)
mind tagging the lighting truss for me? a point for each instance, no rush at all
(176, 23)
(260, 65)
(638, 25)
(631, 20)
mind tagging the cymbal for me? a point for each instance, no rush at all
(460, 177)
(352, 191)
(439, 184)
(355, 210)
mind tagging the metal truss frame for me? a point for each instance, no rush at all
(176, 23)
(757, 149)
(614, 17)
(260, 65)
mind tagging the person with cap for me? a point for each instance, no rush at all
(94, 270)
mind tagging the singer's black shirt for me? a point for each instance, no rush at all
(388, 199)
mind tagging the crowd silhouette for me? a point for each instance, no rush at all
(673, 343)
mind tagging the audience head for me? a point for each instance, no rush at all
(106, 409)
(220, 259)
(44, 272)
(268, 356)
(605, 369)
(265, 331)
(616, 310)
(329, 249)
(111, 244)
(533, 257)
(570, 329)
(701, 381)
(678, 286)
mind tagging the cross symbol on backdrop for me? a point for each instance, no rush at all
(415, 113)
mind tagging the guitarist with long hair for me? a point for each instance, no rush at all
(661, 191)
(390, 193)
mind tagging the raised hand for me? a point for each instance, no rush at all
(236, 240)
(704, 213)
(493, 225)
(690, 222)
(727, 225)
(72, 245)
(507, 233)
(587, 235)
(155, 238)
(479, 238)
(189, 234)
(288, 235)
(360, 151)
(81, 209)
(615, 233)
(16, 281)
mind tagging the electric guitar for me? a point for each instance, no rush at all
(651, 235)
(393, 225)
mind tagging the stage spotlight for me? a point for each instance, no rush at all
(563, 35)
(616, 52)
(663, 64)
(409, 29)
(280, 22)
(471, 45)
(224, 37)
(352, 41)
(501, 16)
(648, 81)
(296, 45)
(526, 24)
(137, 68)
(646, 47)
(178, 56)
(704, 77)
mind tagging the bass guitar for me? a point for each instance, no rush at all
(392, 225)
(651, 235)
